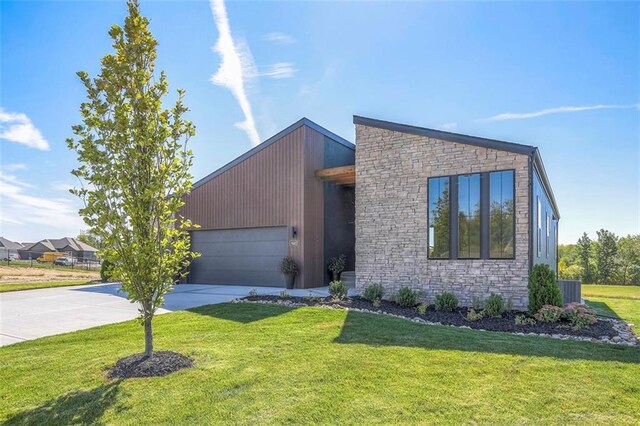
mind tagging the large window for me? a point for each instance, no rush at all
(539, 232)
(439, 207)
(501, 215)
(548, 229)
(469, 216)
(472, 216)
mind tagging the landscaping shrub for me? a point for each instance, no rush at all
(406, 297)
(338, 290)
(494, 305)
(422, 308)
(549, 313)
(473, 315)
(579, 315)
(373, 292)
(253, 292)
(477, 303)
(524, 320)
(446, 302)
(284, 294)
(543, 288)
(106, 271)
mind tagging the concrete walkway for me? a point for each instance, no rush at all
(29, 314)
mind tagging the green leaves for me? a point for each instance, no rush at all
(134, 166)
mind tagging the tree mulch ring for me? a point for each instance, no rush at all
(158, 364)
(505, 323)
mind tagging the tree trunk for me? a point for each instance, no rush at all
(148, 337)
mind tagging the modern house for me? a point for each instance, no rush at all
(9, 249)
(410, 206)
(71, 246)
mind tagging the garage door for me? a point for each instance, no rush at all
(248, 256)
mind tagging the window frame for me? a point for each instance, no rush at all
(539, 226)
(480, 196)
(513, 253)
(484, 216)
(451, 204)
(547, 234)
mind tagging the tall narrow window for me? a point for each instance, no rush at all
(539, 233)
(439, 208)
(469, 216)
(548, 229)
(501, 215)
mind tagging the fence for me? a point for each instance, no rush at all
(571, 291)
(47, 260)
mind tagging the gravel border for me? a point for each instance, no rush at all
(606, 330)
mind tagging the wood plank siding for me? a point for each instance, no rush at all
(275, 186)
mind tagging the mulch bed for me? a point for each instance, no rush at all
(457, 318)
(159, 364)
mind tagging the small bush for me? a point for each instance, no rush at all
(337, 264)
(373, 292)
(494, 306)
(406, 297)
(253, 292)
(579, 315)
(422, 308)
(284, 294)
(106, 271)
(338, 290)
(524, 320)
(543, 288)
(549, 313)
(312, 298)
(446, 302)
(473, 315)
(288, 266)
(377, 303)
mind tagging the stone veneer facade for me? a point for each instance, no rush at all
(392, 169)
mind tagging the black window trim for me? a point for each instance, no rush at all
(484, 216)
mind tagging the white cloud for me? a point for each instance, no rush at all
(61, 186)
(280, 70)
(18, 128)
(558, 110)
(279, 38)
(21, 207)
(234, 69)
(14, 166)
(448, 126)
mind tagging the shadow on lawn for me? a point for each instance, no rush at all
(241, 312)
(77, 407)
(359, 328)
(602, 308)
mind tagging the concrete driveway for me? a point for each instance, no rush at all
(29, 314)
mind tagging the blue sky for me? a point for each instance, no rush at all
(463, 67)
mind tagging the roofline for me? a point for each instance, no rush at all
(446, 136)
(304, 121)
(546, 185)
(517, 148)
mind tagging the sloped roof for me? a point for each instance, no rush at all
(45, 243)
(72, 243)
(517, 148)
(10, 245)
(302, 122)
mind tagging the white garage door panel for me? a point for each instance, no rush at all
(239, 256)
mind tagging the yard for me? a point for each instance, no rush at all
(273, 364)
(22, 277)
(616, 301)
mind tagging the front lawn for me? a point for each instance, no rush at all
(615, 301)
(41, 284)
(273, 364)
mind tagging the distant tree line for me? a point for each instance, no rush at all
(608, 260)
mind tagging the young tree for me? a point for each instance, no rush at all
(134, 168)
(606, 253)
(628, 261)
(584, 253)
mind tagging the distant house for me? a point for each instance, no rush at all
(9, 249)
(71, 246)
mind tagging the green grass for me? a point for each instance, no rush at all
(275, 365)
(4, 287)
(611, 291)
(615, 301)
